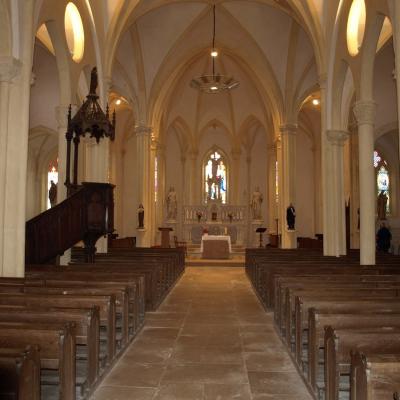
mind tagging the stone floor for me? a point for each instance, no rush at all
(210, 340)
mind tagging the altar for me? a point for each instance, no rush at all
(215, 246)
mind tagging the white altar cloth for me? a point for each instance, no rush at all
(211, 246)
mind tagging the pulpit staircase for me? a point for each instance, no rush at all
(86, 215)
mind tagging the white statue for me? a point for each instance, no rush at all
(172, 204)
(256, 201)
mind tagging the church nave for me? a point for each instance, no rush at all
(210, 340)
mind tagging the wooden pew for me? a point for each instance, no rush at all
(374, 377)
(360, 316)
(301, 313)
(57, 349)
(106, 305)
(338, 344)
(20, 373)
(87, 325)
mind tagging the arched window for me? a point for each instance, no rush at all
(215, 177)
(52, 175)
(382, 177)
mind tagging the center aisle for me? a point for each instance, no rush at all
(210, 340)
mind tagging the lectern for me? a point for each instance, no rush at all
(165, 237)
(261, 231)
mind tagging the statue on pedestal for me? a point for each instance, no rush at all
(141, 216)
(172, 204)
(382, 205)
(290, 217)
(256, 201)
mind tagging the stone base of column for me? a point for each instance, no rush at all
(65, 259)
(289, 239)
(141, 238)
(102, 246)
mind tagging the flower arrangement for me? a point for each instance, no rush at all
(230, 216)
(199, 214)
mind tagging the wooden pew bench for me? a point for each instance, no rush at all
(105, 304)
(87, 324)
(338, 344)
(57, 352)
(20, 373)
(361, 316)
(296, 316)
(374, 377)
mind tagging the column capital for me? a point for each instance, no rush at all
(288, 129)
(337, 137)
(143, 130)
(365, 112)
(10, 68)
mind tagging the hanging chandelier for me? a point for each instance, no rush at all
(215, 83)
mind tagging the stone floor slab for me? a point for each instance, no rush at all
(209, 340)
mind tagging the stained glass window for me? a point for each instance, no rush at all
(382, 177)
(215, 178)
(52, 175)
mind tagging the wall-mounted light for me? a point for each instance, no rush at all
(118, 102)
(316, 102)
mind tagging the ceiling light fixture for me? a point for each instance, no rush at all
(216, 82)
(118, 102)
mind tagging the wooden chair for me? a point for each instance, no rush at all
(180, 244)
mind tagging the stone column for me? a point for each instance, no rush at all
(9, 69)
(318, 228)
(272, 204)
(337, 139)
(234, 176)
(355, 189)
(288, 169)
(365, 114)
(143, 141)
(250, 234)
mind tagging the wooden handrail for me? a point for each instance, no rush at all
(85, 216)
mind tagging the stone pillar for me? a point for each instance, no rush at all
(355, 190)
(365, 114)
(318, 228)
(272, 204)
(159, 154)
(288, 137)
(9, 69)
(143, 141)
(337, 139)
(250, 234)
(280, 214)
(326, 177)
(234, 176)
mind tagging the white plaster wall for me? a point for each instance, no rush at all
(385, 88)
(45, 94)
(174, 171)
(259, 171)
(129, 194)
(305, 202)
